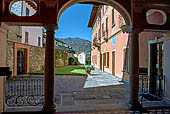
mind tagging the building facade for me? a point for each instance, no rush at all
(81, 57)
(109, 42)
(110, 50)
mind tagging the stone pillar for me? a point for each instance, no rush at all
(49, 105)
(134, 66)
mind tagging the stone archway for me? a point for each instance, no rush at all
(125, 14)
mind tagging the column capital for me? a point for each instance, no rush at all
(135, 32)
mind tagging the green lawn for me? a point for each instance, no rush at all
(70, 69)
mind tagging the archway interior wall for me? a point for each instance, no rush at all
(125, 14)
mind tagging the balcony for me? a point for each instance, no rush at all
(96, 43)
(106, 37)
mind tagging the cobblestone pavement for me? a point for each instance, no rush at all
(96, 91)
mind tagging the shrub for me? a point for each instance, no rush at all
(88, 62)
(75, 61)
(70, 60)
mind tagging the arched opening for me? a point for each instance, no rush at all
(105, 55)
(111, 3)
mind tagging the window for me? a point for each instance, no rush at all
(39, 41)
(103, 9)
(27, 11)
(96, 35)
(103, 29)
(80, 57)
(104, 59)
(99, 34)
(107, 59)
(26, 37)
(107, 26)
(125, 60)
(113, 20)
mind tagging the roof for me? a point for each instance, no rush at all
(32, 4)
(93, 15)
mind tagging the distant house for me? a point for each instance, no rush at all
(81, 57)
(58, 44)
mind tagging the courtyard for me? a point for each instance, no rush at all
(99, 92)
(76, 93)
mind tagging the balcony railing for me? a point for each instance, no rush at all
(96, 43)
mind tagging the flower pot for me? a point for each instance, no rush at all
(88, 71)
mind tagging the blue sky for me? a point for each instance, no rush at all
(74, 22)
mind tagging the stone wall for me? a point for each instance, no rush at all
(63, 61)
(37, 58)
(14, 34)
(3, 39)
(10, 55)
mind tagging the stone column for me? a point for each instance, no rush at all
(49, 105)
(134, 66)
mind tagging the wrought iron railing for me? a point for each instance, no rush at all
(143, 83)
(25, 91)
(145, 89)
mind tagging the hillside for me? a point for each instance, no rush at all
(77, 44)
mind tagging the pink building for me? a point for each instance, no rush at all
(109, 42)
(110, 49)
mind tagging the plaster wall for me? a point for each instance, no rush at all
(114, 34)
(33, 34)
(155, 18)
(166, 68)
(82, 58)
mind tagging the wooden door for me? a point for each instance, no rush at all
(113, 63)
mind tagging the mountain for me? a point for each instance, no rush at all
(77, 44)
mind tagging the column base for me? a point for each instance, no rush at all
(49, 109)
(135, 105)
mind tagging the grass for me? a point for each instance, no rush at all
(70, 69)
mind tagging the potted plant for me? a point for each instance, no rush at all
(88, 69)
(92, 68)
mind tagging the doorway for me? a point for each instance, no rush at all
(113, 62)
(20, 62)
(157, 80)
